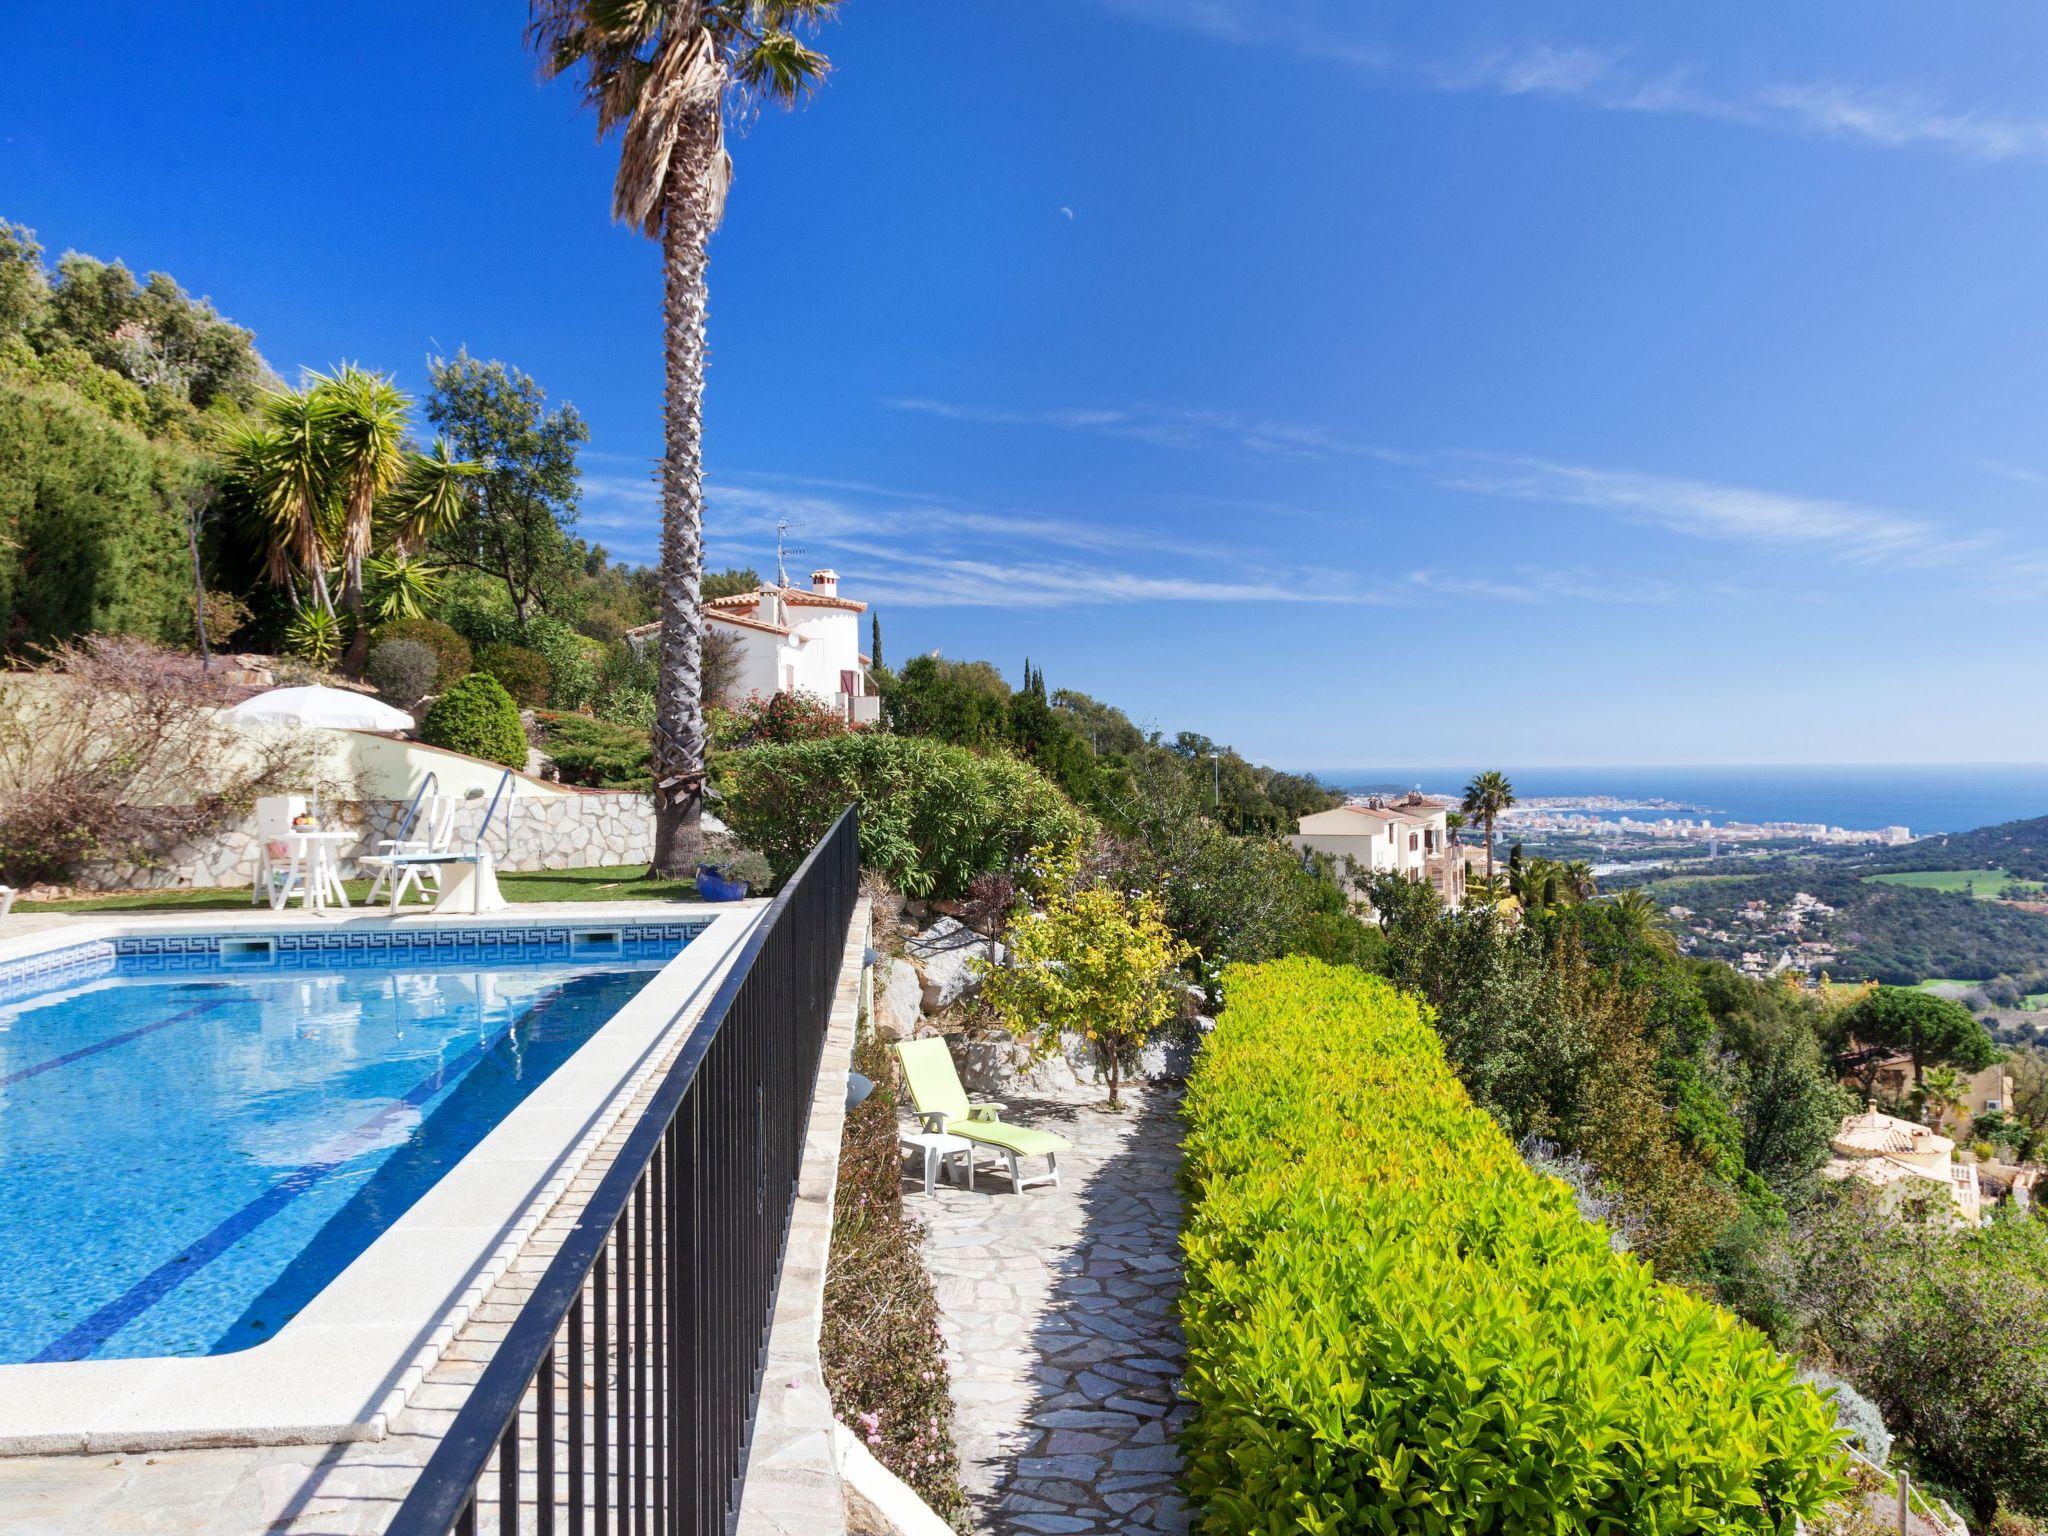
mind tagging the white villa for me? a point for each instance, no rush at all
(794, 640)
(1407, 837)
(1903, 1160)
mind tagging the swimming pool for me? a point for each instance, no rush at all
(197, 1136)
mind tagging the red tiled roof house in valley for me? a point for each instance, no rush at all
(794, 640)
(1409, 836)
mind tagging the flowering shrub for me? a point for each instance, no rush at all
(781, 717)
(880, 1343)
(1395, 1325)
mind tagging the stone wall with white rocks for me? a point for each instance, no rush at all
(543, 831)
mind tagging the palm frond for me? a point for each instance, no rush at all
(650, 65)
(428, 497)
(685, 77)
(780, 66)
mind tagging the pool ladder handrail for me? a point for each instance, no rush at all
(477, 845)
(412, 811)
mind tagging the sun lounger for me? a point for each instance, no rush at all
(942, 1106)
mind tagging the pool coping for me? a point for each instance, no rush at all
(352, 1357)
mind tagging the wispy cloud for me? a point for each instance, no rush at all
(1842, 531)
(1612, 80)
(1163, 427)
(914, 550)
(1836, 531)
(1536, 584)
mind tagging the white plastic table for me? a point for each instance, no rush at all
(939, 1149)
(319, 858)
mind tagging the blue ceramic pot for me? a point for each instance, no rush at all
(713, 886)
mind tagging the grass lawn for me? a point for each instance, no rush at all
(2034, 1002)
(1946, 983)
(1987, 883)
(619, 882)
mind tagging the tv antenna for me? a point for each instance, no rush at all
(783, 552)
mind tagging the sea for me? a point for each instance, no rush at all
(1926, 798)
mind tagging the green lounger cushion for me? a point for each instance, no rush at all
(1020, 1139)
(935, 1090)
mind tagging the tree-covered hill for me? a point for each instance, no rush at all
(2017, 847)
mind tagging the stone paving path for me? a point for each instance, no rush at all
(1058, 1311)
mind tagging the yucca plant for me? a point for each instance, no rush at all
(399, 586)
(315, 636)
(665, 73)
(326, 469)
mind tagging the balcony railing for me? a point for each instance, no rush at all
(622, 1398)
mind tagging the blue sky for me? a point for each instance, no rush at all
(1360, 385)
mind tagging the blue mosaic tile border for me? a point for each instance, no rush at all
(299, 950)
(55, 968)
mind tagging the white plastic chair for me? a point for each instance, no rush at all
(7, 895)
(274, 815)
(412, 862)
(284, 874)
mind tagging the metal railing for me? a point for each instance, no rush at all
(621, 1401)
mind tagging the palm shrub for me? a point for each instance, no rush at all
(1395, 1325)
(477, 716)
(932, 817)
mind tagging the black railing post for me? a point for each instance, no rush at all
(677, 1253)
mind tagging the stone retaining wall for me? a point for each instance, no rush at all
(544, 831)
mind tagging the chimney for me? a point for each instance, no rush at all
(825, 583)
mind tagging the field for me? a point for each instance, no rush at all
(1985, 884)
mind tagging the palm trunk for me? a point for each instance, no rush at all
(679, 713)
(359, 637)
(1489, 853)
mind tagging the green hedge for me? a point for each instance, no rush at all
(932, 816)
(476, 715)
(1393, 1325)
(92, 537)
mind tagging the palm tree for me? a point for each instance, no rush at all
(1635, 918)
(1537, 884)
(1580, 881)
(284, 459)
(428, 498)
(326, 469)
(1486, 797)
(1942, 1089)
(366, 431)
(666, 72)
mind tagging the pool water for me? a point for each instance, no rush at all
(186, 1160)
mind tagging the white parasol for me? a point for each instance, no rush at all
(334, 708)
